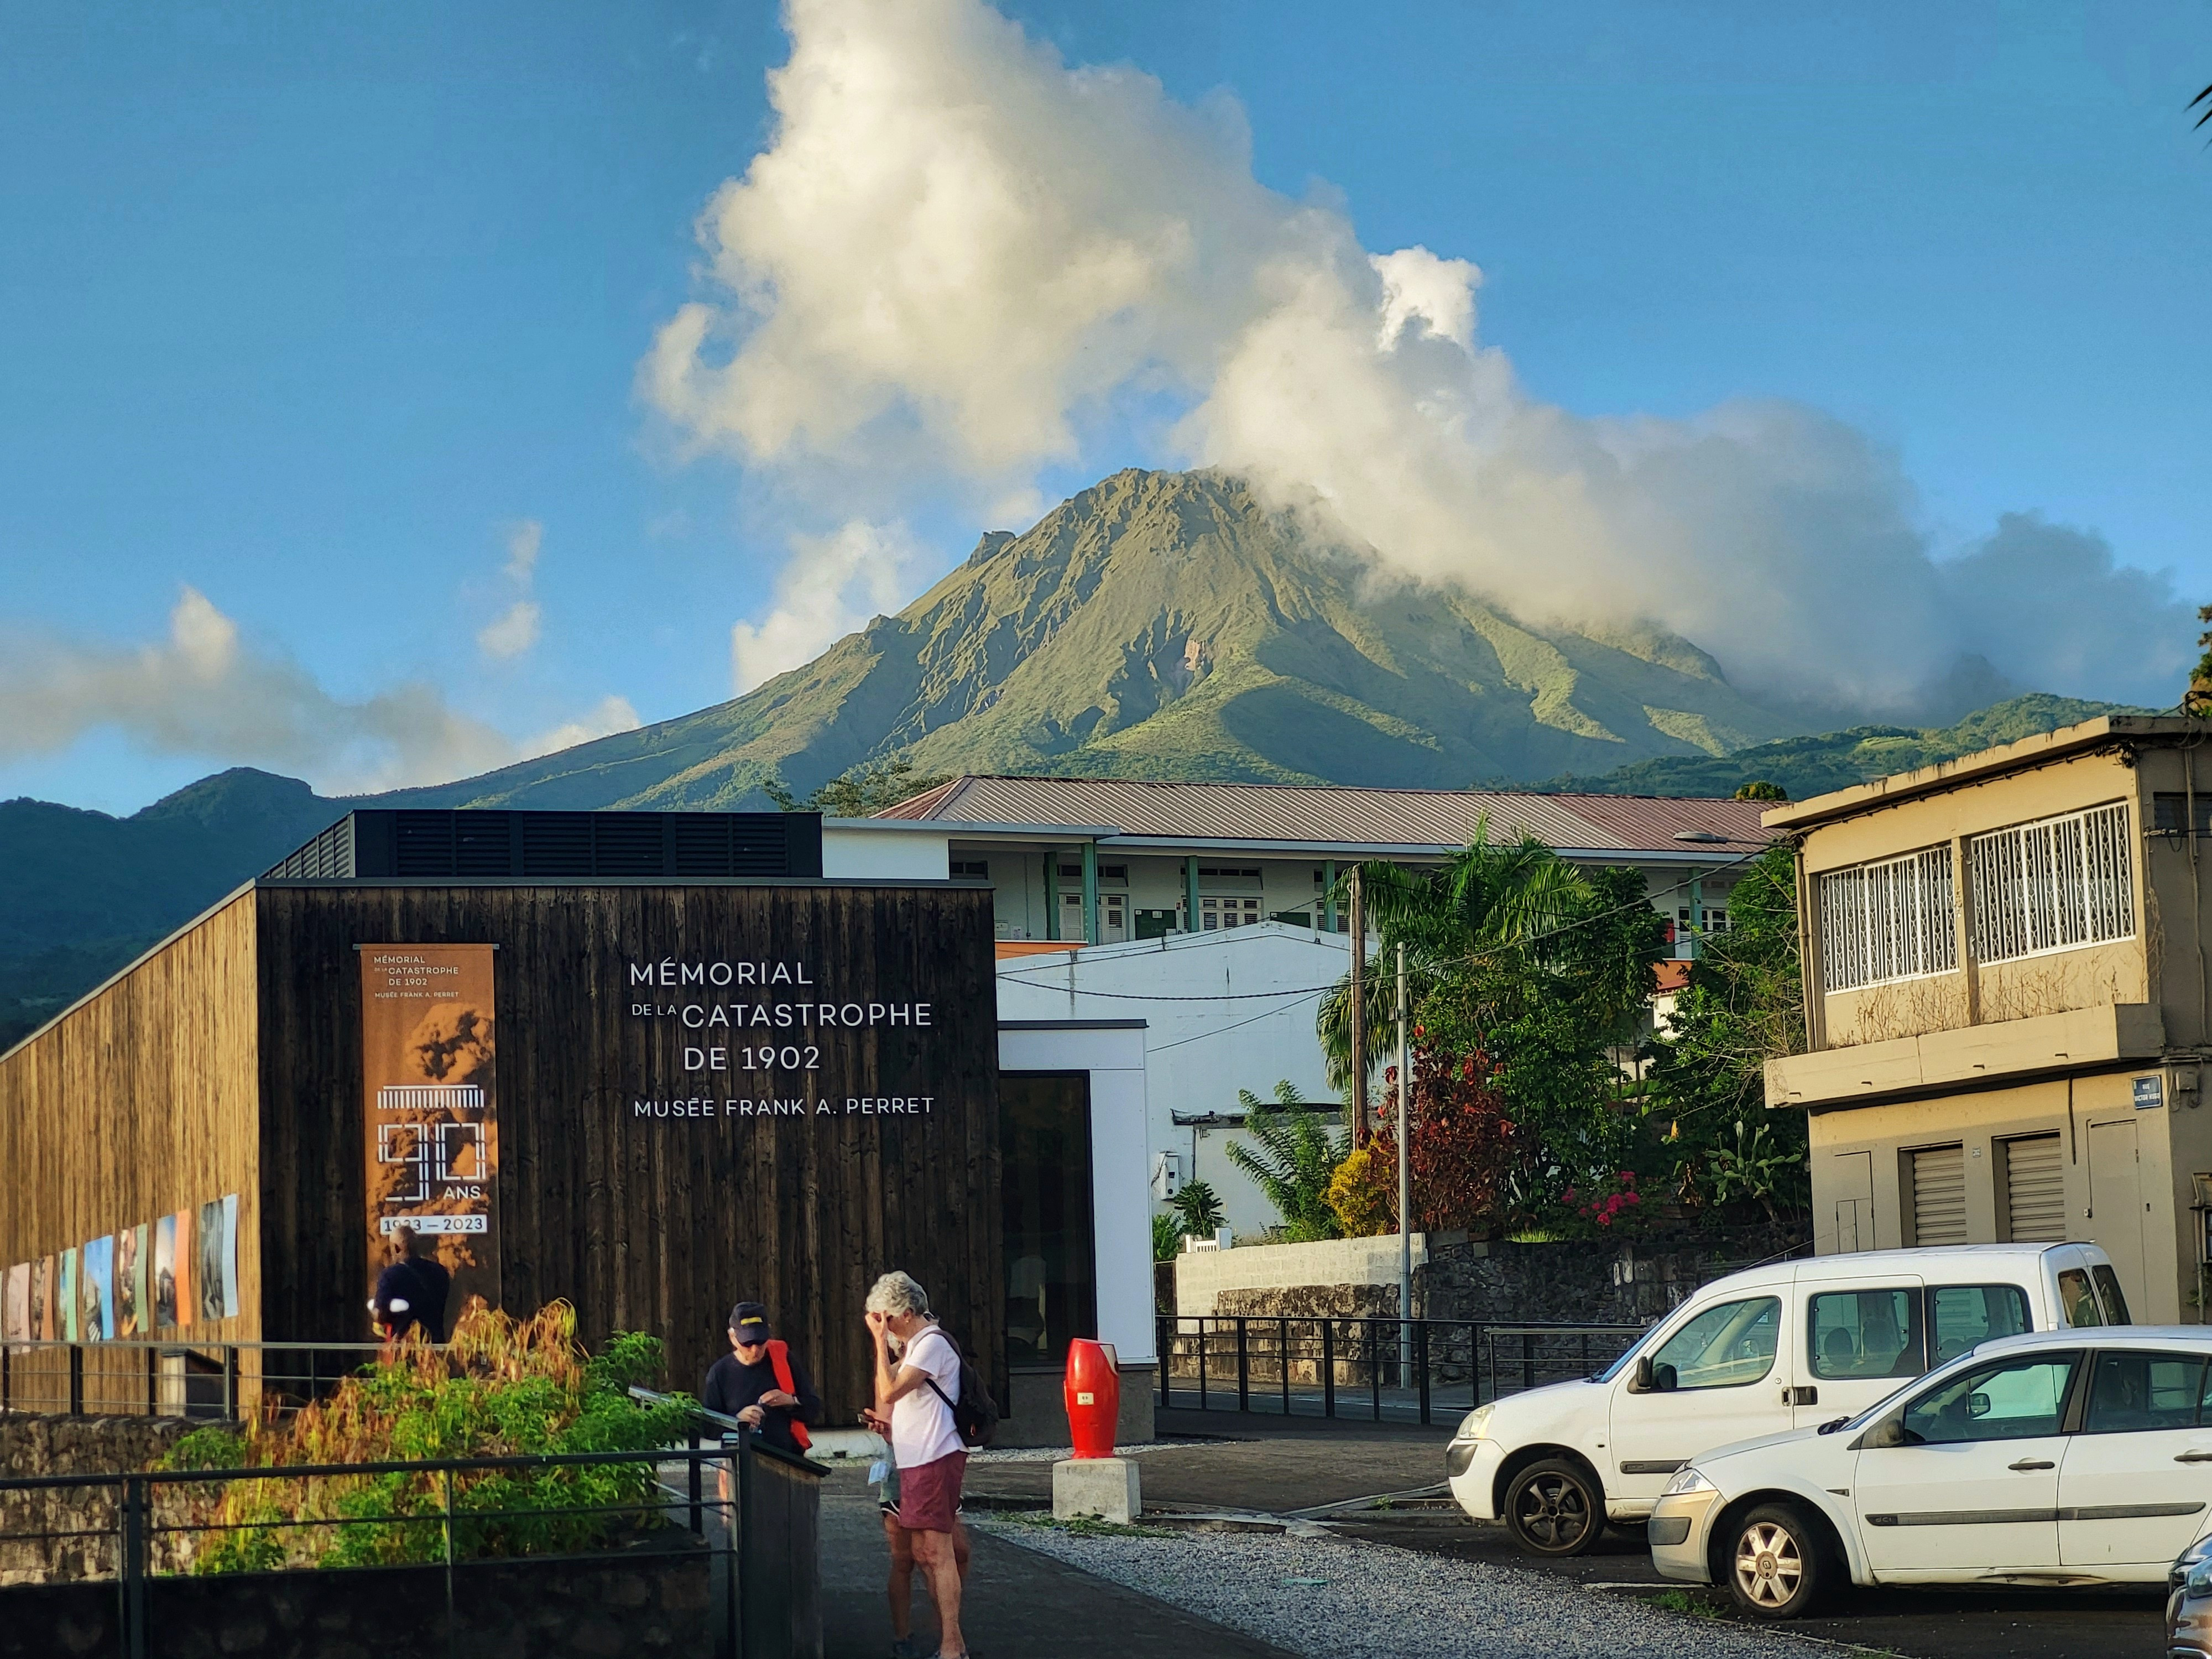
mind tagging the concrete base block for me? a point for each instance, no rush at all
(1104, 1488)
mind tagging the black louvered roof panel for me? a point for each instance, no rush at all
(481, 844)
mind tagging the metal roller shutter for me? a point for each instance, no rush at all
(2035, 1189)
(1939, 1196)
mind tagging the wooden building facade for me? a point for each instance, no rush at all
(636, 1175)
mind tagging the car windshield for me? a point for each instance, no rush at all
(1628, 1354)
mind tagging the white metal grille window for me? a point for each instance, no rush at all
(2053, 885)
(1888, 921)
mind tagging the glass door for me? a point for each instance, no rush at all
(1044, 1151)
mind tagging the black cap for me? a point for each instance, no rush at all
(749, 1320)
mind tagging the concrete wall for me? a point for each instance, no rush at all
(859, 849)
(1987, 993)
(2156, 1242)
(1206, 1280)
(1121, 1218)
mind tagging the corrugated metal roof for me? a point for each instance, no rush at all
(1329, 815)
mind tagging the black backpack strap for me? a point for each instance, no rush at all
(940, 1394)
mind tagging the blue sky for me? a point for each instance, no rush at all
(309, 313)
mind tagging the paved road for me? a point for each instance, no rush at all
(1018, 1604)
(1276, 1465)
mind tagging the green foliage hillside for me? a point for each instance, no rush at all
(1809, 766)
(82, 893)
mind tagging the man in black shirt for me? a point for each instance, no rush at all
(412, 1291)
(743, 1384)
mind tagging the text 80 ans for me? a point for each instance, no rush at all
(790, 1058)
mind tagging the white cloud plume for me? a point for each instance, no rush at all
(612, 715)
(832, 585)
(513, 632)
(523, 544)
(203, 691)
(955, 250)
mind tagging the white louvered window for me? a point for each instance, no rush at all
(2057, 884)
(1886, 921)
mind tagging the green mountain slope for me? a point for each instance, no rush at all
(1157, 625)
(1805, 766)
(1167, 625)
(82, 893)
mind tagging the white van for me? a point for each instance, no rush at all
(1790, 1345)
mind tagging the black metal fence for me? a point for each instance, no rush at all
(1407, 1370)
(708, 1550)
(138, 1377)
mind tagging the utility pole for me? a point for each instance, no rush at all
(1405, 1185)
(1359, 922)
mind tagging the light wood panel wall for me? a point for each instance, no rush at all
(141, 1102)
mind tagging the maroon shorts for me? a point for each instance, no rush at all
(929, 1493)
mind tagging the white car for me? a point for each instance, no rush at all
(2062, 1457)
(1788, 1345)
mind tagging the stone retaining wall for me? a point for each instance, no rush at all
(1579, 1282)
(63, 1534)
(655, 1602)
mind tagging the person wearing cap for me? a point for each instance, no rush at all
(743, 1384)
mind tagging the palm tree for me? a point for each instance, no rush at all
(1297, 1159)
(2205, 98)
(1484, 901)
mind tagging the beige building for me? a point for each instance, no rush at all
(2006, 1002)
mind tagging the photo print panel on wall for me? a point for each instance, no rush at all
(96, 1305)
(130, 1282)
(230, 1255)
(207, 1270)
(429, 1108)
(15, 1304)
(165, 1273)
(66, 1296)
(43, 1325)
(187, 1294)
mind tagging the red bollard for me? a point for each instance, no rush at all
(1093, 1389)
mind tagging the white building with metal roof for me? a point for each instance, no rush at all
(1207, 911)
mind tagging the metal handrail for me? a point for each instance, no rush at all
(1426, 1357)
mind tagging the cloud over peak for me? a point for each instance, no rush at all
(957, 258)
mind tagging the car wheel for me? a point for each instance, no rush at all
(1554, 1507)
(1777, 1562)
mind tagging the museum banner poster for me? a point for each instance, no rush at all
(429, 1111)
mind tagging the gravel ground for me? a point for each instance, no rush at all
(1053, 1453)
(1381, 1602)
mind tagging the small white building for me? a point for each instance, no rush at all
(1222, 1011)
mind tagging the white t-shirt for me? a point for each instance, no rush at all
(921, 1424)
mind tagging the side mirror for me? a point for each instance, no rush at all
(1977, 1405)
(1663, 1378)
(1883, 1436)
(1642, 1383)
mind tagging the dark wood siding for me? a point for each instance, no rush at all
(660, 1224)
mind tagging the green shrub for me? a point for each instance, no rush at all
(503, 1387)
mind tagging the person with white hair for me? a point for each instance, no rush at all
(914, 1394)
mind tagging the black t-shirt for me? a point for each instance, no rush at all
(423, 1284)
(732, 1385)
